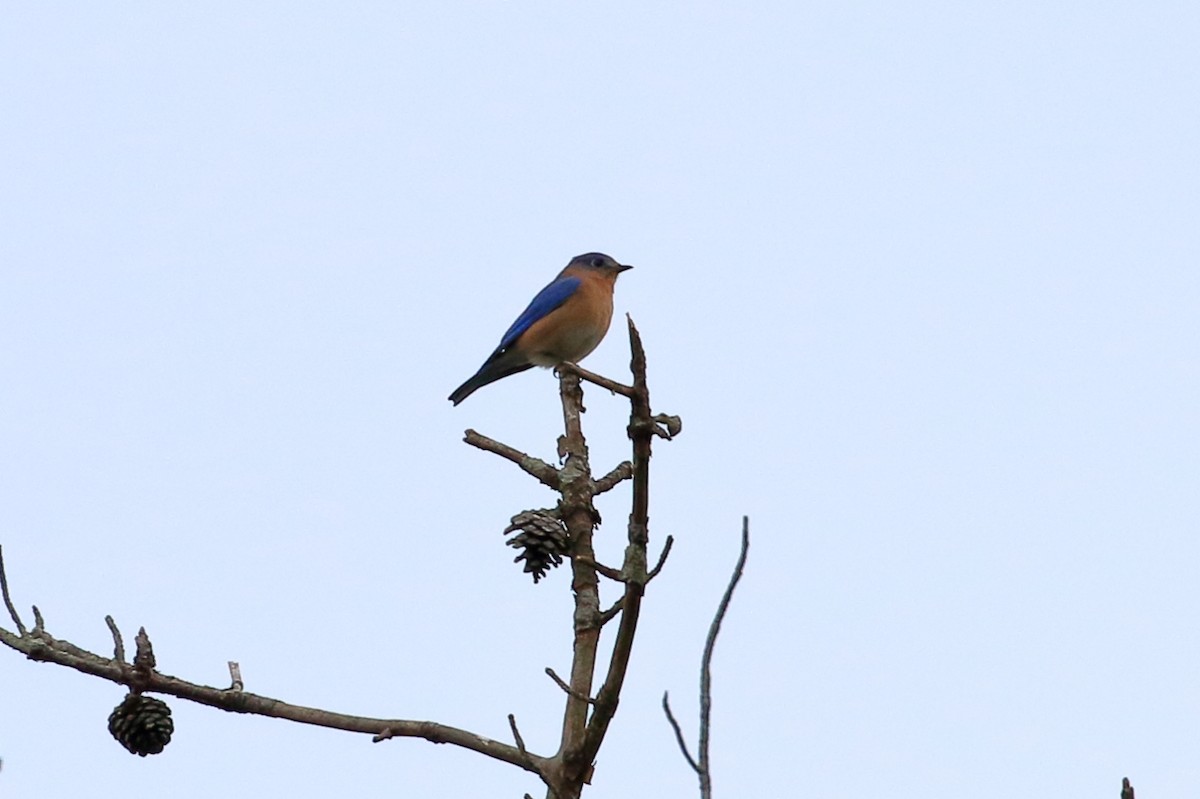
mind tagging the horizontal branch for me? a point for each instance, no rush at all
(42, 647)
(599, 380)
(608, 571)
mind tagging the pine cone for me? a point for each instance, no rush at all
(542, 539)
(142, 724)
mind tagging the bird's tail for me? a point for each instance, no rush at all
(493, 369)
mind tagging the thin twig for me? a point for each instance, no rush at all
(118, 640)
(666, 705)
(701, 767)
(1126, 789)
(39, 623)
(8, 603)
(662, 559)
(512, 723)
(538, 468)
(706, 661)
(534, 765)
(568, 689)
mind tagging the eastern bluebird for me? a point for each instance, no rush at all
(564, 323)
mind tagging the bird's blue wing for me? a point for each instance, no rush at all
(546, 301)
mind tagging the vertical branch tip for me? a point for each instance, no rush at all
(118, 640)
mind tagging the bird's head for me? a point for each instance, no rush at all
(598, 262)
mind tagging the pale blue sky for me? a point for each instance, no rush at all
(923, 281)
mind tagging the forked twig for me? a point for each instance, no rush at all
(701, 764)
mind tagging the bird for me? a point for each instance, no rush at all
(563, 324)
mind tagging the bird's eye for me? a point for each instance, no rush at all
(598, 262)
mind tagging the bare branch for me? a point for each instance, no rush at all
(616, 607)
(48, 649)
(599, 380)
(578, 514)
(701, 767)
(607, 571)
(118, 640)
(545, 473)
(622, 472)
(662, 559)
(566, 688)
(706, 661)
(612, 612)
(666, 705)
(1126, 789)
(512, 723)
(39, 623)
(633, 568)
(8, 603)
(585, 719)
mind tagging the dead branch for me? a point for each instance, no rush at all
(662, 559)
(607, 571)
(683, 747)
(546, 474)
(579, 515)
(552, 674)
(8, 603)
(622, 472)
(633, 569)
(613, 611)
(599, 380)
(701, 764)
(118, 641)
(43, 647)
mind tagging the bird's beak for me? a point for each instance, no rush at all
(623, 268)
